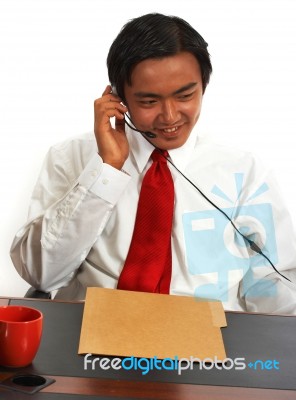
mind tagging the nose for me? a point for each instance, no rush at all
(169, 112)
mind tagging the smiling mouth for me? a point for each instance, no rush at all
(173, 131)
(170, 130)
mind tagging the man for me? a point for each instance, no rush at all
(227, 237)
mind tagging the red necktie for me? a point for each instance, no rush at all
(148, 266)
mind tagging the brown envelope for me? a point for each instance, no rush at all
(125, 323)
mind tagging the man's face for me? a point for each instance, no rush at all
(165, 98)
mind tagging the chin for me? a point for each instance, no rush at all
(170, 144)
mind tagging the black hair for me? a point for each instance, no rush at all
(154, 36)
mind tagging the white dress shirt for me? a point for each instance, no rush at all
(82, 216)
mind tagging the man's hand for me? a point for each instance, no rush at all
(112, 143)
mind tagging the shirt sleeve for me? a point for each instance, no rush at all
(70, 207)
(271, 294)
(103, 180)
(265, 288)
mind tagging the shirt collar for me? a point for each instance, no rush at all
(142, 149)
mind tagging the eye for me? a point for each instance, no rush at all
(186, 96)
(147, 102)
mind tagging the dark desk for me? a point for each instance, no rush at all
(249, 336)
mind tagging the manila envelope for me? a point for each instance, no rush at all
(127, 323)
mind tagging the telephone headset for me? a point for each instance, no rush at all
(149, 135)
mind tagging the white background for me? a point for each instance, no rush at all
(52, 67)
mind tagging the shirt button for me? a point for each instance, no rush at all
(94, 173)
(105, 181)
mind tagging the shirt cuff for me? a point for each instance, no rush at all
(103, 180)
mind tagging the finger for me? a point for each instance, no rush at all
(112, 105)
(105, 104)
(113, 112)
(111, 96)
(108, 90)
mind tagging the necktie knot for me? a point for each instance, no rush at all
(159, 155)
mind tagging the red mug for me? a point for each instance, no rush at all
(20, 335)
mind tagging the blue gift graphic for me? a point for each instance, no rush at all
(209, 249)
